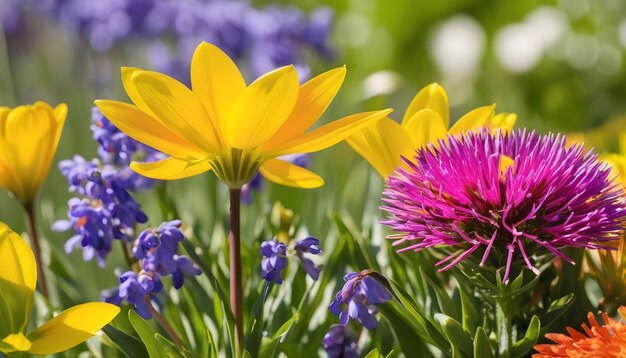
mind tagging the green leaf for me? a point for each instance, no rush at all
(270, 349)
(556, 309)
(374, 353)
(147, 335)
(254, 336)
(469, 308)
(443, 299)
(168, 348)
(460, 340)
(285, 327)
(392, 354)
(482, 348)
(130, 346)
(524, 345)
(406, 333)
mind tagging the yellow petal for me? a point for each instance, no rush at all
(72, 327)
(474, 119)
(27, 146)
(285, 173)
(174, 105)
(432, 97)
(216, 80)
(14, 343)
(424, 127)
(327, 135)
(503, 121)
(170, 168)
(382, 144)
(262, 108)
(313, 99)
(18, 278)
(145, 129)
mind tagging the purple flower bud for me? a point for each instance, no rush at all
(357, 298)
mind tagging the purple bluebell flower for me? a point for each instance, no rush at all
(458, 194)
(340, 342)
(357, 298)
(274, 260)
(309, 245)
(104, 212)
(133, 288)
(158, 250)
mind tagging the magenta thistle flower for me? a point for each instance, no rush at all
(511, 193)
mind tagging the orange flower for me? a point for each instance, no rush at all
(598, 341)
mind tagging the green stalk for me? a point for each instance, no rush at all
(504, 327)
(31, 224)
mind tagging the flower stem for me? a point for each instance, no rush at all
(236, 292)
(31, 224)
(504, 328)
(163, 322)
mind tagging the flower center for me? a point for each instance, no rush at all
(236, 166)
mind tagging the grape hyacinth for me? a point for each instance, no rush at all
(104, 212)
(104, 209)
(517, 194)
(340, 342)
(275, 258)
(358, 296)
(157, 250)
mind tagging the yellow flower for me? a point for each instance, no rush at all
(29, 136)
(425, 121)
(221, 124)
(18, 276)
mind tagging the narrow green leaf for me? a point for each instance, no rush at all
(168, 348)
(392, 354)
(374, 353)
(253, 338)
(459, 339)
(524, 345)
(146, 334)
(469, 308)
(482, 348)
(130, 346)
(556, 309)
(405, 330)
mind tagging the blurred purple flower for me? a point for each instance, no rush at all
(340, 342)
(357, 298)
(458, 194)
(274, 260)
(309, 245)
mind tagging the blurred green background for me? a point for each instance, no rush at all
(558, 64)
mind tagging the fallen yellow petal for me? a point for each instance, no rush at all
(72, 327)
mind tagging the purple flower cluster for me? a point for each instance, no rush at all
(340, 342)
(104, 212)
(459, 194)
(104, 209)
(357, 298)
(157, 251)
(275, 258)
(265, 38)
